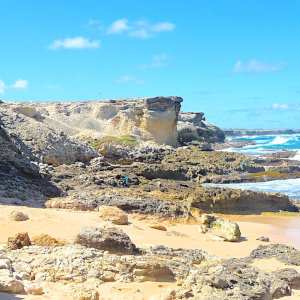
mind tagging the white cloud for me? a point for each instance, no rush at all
(74, 43)
(118, 27)
(128, 78)
(163, 26)
(286, 106)
(254, 66)
(157, 61)
(20, 84)
(2, 87)
(140, 29)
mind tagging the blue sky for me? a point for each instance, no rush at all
(238, 62)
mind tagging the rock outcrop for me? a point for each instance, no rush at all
(194, 127)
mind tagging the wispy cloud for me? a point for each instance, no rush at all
(140, 29)
(2, 87)
(20, 84)
(132, 79)
(118, 27)
(286, 106)
(157, 62)
(254, 66)
(74, 43)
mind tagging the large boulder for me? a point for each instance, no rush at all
(113, 214)
(221, 227)
(9, 284)
(114, 241)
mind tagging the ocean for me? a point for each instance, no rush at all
(266, 144)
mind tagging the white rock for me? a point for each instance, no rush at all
(11, 285)
(33, 288)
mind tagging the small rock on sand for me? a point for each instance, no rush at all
(18, 216)
(158, 227)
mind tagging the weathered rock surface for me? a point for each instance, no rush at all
(198, 274)
(114, 241)
(218, 226)
(18, 241)
(194, 127)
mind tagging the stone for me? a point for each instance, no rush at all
(18, 216)
(114, 241)
(82, 293)
(33, 289)
(224, 228)
(158, 227)
(11, 285)
(18, 241)
(113, 214)
(263, 239)
(45, 240)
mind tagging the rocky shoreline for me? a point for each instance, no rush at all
(141, 156)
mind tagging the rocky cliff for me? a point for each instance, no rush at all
(66, 132)
(194, 127)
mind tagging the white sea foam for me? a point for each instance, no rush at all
(290, 187)
(279, 140)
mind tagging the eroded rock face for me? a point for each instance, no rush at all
(194, 127)
(114, 241)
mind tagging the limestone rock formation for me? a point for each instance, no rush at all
(194, 127)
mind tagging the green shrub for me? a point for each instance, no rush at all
(124, 141)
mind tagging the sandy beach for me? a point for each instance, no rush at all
(64, 224)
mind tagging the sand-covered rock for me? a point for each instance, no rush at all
(33, 288)
(18, 216)
(113, 214)
(218, 226)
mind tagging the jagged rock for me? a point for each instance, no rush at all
(103, 239)
(18, 216)
(221, 227)
(193, 127)
(113, 214)
(18, 241)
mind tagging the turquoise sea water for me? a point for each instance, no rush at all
(266, 144)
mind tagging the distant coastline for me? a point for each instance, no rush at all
(242, 132)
